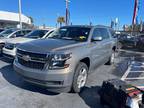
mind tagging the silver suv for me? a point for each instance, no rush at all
(63, 62)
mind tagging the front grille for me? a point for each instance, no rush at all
(31, 64)
(31, 54)
(35, 60)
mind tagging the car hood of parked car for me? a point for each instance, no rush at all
(48, 45)
(4, 39)
(18, 40)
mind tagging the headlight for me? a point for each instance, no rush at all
(10, 46)
(58, 61)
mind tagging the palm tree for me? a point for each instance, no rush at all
(32, 21)
(61, 20)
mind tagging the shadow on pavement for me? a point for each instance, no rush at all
(91, 97)
(7, 60)
(120, 68)
(9, 74)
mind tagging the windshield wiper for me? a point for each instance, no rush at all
(67, 38)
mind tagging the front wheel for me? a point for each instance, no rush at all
(80, 77)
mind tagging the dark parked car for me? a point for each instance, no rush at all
(126, 41)
(140, 43)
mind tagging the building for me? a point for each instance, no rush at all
(11, 20)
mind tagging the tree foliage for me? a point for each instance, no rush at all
(61, 20)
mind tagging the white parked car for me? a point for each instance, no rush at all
(11, 33)
(9, 50)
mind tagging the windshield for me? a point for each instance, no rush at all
(71, 33)
(6, 33)
(36, 34)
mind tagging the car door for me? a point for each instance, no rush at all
(106, 44)
(97, 49)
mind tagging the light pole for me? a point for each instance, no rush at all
(67, 12)
(20, 14)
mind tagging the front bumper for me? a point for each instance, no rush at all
(54, 80)
(9, 53)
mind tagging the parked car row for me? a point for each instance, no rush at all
(127, 41)
(62, 62)
(9, 49)
(11, 33)
(59, 59)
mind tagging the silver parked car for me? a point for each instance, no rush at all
(9, 50)
(10, 34)
(63, 62)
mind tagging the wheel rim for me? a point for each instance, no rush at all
(81, 81)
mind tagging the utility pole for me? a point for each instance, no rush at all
(20, 14)
(67, 12)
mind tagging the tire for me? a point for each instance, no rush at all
(102, 102)
(111, 59)
(81, 68)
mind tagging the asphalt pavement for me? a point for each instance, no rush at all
(15, 93)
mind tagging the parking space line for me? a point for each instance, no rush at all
(137, 71)
(136, 78)
(138, 66)
(126, 73)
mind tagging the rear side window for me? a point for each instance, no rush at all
(103, 32)
(37, 34)
(113, 34)
(26, 31)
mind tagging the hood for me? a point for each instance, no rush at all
(18, 40)
(47, 45)
(3, 40)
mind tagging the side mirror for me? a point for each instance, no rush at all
(99, 38)
(13, 36)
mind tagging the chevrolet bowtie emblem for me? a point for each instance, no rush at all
(26, 57)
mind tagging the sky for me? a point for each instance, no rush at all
(81, 11)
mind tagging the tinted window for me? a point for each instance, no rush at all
(105, 33)
(71, 33)
(97, 32)
(19, 33)
(26, 31)
(101, 32)
(112, 33)
(37, 34)
(6, 33)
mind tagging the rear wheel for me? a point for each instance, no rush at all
(80, 77)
